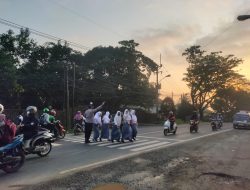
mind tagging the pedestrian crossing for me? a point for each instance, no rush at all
(138, 145)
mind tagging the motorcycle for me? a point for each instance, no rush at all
(79, 128)
(40, 144)
(167, 128)
(215, 124)
(12, 156)
(194, 126)
(61, 132)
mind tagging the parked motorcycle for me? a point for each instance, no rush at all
(194, 126)
(40, 144)
(79, 128)
(167, 128)
(12, 156)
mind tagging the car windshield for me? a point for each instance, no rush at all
(241, 117)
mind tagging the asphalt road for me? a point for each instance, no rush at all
(71, 154)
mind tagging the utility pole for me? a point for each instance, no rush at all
(67, 96)
(157, 86)
(73, 91)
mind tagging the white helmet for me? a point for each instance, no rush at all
(31, 110)
(1, 108)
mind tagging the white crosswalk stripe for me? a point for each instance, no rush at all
(150, 146)
(138, 145)
(124, 144)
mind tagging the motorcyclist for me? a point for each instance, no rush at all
(194, 116)
(52, 119)
(78, 118)
(30, 125)
(46, 120)
(7, 130)
(171, 118)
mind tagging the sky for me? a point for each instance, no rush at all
(161, 27)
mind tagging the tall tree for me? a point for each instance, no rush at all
(167, 105)
(207, 73)
(230, 100)
(122, 72)
(184, 108)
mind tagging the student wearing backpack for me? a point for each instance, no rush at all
(7, 130)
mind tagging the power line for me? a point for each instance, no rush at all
(42, 34)
(222, 32)
(87, 18)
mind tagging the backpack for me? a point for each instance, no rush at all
(8, 131)
(43, 119)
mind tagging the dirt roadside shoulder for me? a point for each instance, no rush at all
(216, 162)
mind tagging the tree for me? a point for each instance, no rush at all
(122, 72)
(167, 105)
(207, 74)
(230, 100)
(184, 108)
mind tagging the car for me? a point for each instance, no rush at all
(241, 120)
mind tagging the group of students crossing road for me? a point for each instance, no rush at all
(124, 126)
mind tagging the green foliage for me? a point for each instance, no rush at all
(229, 101)
(184, 108)
(207, 74)
(35, 74)
(167, 105)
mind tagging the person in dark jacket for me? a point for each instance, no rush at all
(171, 119)
(30, 124)
(194, 116)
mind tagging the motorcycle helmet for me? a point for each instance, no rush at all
(53, 112)
(79, 112)
(31, 110)
(1, 108)
(46, 110)
(171, 113)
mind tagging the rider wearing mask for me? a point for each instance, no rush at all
(30, 124)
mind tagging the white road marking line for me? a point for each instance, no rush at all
(96, 164)
(105, 143)
(159, 138)
(138, 144)
(75, 137)
(149, 146)
(56, 144)
(125, 144)
(75, 141)
(151, 132)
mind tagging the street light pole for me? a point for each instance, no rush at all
(157, 86)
